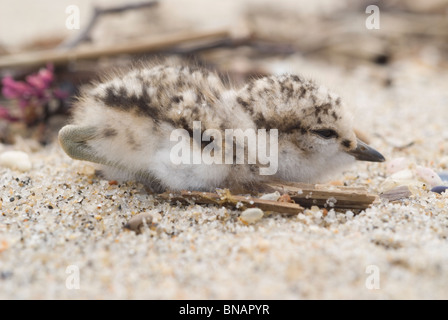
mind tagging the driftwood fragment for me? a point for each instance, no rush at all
(304, 195)
(151, 44)
(337, 197)
(234, 201)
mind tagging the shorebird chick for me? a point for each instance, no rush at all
(178, 127)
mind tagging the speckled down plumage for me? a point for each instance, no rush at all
(126, 119)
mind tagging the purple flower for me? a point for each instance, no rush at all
(47, 75)
(41, 80)
(33, 93)
(15, 89)
(3, 112)
(36, 82)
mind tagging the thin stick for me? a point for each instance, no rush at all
(97, 13)
(325, 196)
(152, 44)
(304, 195)
(234, 201)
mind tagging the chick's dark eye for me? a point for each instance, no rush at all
(326, 133)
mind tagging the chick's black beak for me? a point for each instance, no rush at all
(364, 152)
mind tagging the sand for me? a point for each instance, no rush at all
(62, 232)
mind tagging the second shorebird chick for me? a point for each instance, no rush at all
(126, 120)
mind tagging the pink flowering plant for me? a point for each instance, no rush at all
(31, 100)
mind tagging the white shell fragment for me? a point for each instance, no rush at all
(251, 215)
(403, 175)
(428, 175)
(271, 196)
(400, 178)
(331, 202)
(16, 160)
(414, 177)
(397, 164)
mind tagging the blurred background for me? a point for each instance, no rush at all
(389, 65)
(49, 48)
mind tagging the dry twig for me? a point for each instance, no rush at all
(97, 13)
(304, 195)
(234, 201)
(336, 197)
(153, 44)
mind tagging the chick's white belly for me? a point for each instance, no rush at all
(186, 176)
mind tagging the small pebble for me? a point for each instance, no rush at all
(271, 196)
(331, 202)
(443, 162)
(285, 198)
(251, 215)
(443, 176)
(428, 175)
(439, 189)
(137, 222)
(398, 193)
(16, 160)
(349, 214)
(4, 275)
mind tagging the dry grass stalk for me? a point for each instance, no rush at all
(152, 44)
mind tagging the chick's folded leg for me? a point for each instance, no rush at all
(73, 139)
